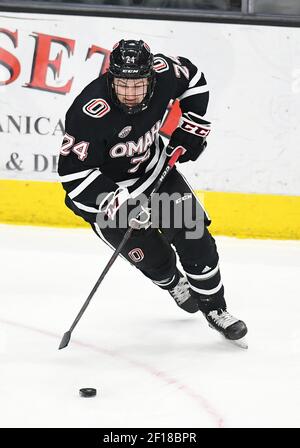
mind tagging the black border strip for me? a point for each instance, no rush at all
(148, 13)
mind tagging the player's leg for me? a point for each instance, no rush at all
(200, 261)
(199, 257)
(150, 252)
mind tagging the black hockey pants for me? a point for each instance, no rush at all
(181, 224)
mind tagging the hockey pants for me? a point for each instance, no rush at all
(182, 229)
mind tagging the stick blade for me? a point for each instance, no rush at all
(65, 340)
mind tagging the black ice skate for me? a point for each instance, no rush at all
(181, 295)
(226, 324)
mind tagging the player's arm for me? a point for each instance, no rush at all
(88, 190)
(193, 95)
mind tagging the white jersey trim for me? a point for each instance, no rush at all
(151, 178)
(194, 91)
(130, 182)
(195, 79)
(156, 155)
(127, 183)
(86, 208)
(83, 185)
(74, 176)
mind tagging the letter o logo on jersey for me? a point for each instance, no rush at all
(160, 64)
(96, 108)
(119, 150)
(136, 255)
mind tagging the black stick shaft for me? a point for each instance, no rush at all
(67, 336)
(105, 271)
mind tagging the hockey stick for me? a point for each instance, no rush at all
(67, 336)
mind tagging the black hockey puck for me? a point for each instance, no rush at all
(87, 392)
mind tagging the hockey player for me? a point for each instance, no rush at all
(112, 150)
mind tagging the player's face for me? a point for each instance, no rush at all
(130, 91)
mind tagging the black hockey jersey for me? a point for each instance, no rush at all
(104, 148)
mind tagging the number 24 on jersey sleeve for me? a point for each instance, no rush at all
(80, 149)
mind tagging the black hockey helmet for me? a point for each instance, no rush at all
(131, 59)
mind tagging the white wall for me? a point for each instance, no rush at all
(254, 76)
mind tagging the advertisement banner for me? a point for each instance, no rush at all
(254, 79)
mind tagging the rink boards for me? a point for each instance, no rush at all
(234, 214)
(249, 175)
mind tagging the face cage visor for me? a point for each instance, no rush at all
(132, 95)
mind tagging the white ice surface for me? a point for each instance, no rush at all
(153, 364)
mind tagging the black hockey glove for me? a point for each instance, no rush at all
(191, 133)
(116, 207)
(113, 201)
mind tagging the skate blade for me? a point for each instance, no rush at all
(241, 343)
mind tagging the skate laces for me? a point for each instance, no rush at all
(222, 318)
(180, 292)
